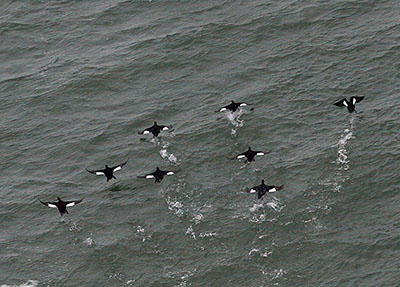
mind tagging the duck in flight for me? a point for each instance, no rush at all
(262, 189)
(158, 174)
(232, 107)
(250, 155)
(350, 104)
(155, 129)
(61, 205)
(108, 171)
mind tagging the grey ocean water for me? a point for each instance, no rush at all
(79, 79)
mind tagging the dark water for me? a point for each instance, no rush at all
(79, 79)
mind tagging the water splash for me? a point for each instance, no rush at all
(175, 206)
(140, 231)
(277, 273)
(254, 250)
(258, 213)
(170, 156)
(198, 218)
(275, 204)
(75, 227)
(256, 207)
(235, 120)
(155, 141)
(190, 232)
(262, 253)
(89, 242)
(207, 234)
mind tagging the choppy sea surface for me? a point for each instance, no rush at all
(79, 79)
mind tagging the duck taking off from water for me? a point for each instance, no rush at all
(262, 189)
(61, 205)
(250, 155)
(108, 171)
(158, 174)
(349, 104)
(155, 129)
(232, 107)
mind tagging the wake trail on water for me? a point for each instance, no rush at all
(164, 144)
(342, 161)
(167, 155)
(235, 120)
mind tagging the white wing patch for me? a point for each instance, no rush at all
(149, 176)
(170, 173)
(260, 153)
(243, 104)
(99, 173)
(146, 132)
(70, 204)
(345, 103)
(222, 110)
(165, 128)
(117, 168)
(272, 190)
(354, 101)
(241, 156)
(51, 205)
(252, 191)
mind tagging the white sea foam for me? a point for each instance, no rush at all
(74, 227)
(130, 282)
(140, 229)
(89, 242)
(256, 207)
(254, 250)
(190, 232)
(29, 283)
(198, 218)
(207, 234)
(175, 206)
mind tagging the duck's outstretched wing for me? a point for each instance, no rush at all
(145, 131)
(243, 104)
(341, 103)
(73, 202)
(171, 172)
(96, 172)
(166, 128)
(356, 99)
(148, 176)
(118, 167)
(262, 152)
(241, 155)
(223, 109)
(255, 189)
(49, 204)
(273, 188)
